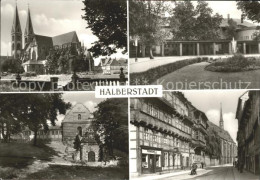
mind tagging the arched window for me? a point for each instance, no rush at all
(79, 116)
(12, 38)
(33, 55)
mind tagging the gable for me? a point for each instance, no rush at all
(78, 113)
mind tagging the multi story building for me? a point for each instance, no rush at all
(248, 135)
(54, 133)
(165, 134)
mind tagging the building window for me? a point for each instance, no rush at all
(146, 135)
(166, 159)
(165, 140)
(158, 161)
(150, 109)
(79, 116)
(145, 160)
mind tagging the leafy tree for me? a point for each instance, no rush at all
(31, 110)
(12, 66)
(213, 142)
(9, 124)
(108, 21)
(194, 23)
(110, 125)
(250, 9)
(231, 29)
(146, 21)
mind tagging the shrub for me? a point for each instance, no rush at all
(235, 63)
(155, 73)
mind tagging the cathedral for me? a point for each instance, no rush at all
(34, 50)
(228, 146)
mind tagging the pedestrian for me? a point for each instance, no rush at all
(193, 169)
(202, 165)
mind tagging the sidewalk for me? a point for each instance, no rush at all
(161, 176)
(245, 175)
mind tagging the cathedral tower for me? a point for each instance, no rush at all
(221, 121)
(28, 33)
(16, 34)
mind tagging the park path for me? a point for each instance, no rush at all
(144, 64)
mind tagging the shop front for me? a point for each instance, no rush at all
(151, 160)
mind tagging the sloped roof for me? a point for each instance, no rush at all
(46, 40)
(224, 23)
(221, 133)
(75, 110)
(70, 37)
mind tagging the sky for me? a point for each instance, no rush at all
(49, 18)
(209, 103)
(86, 98)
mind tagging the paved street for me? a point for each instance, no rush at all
(217, 173)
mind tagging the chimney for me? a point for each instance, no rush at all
(228, 17)
(242, 19)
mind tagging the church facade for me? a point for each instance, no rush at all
(228, 146)
(77, 122)
(32, 49)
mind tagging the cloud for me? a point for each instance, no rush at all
(230, 123)
(5, 48)
(7, 9)
(88, 39)
(91, 105)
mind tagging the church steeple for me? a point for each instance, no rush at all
(16, 34)
(221, 121)
(28, 33)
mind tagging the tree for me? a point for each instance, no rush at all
(194, 23)
(9, 124)
(231, 29)
(250, 9)
(108, 21)
(30, 110)
(213, 142)
(146, 21)
(110, 125)
(12, 66)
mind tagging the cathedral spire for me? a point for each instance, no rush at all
(221, 121)
(16, 23)
(16, 34)
(28, 33)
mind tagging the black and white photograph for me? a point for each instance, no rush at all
(195, 135)
(194, 44)
(63, 136)
(49, 45)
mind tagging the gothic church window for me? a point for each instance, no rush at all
(18, 47)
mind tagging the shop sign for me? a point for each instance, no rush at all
(150, 151)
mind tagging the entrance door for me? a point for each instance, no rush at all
(91, 156)
(152, 164)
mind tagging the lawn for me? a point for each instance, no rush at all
(80, 172)
(25, 161)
